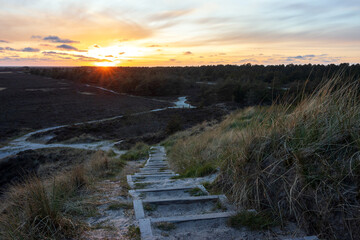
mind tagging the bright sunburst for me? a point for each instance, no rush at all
(106, 64)
(113, 55)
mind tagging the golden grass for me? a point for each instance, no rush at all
(301, 162)
(44, 208)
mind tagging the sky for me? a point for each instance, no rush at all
(178, 32)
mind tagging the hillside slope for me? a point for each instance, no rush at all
(301, 163)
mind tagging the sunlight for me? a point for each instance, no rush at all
(114, 52)
(105, 64)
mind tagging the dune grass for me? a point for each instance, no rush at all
(137, 152)
(50, 208)
(301, 162)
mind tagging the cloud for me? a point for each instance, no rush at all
(30, 49)
(45, 45)
(172, 60)
(54, 53)
(167, 15)
(77, 57)
(121, 53)
(27, 49)
(67, 47)
(3, 41)
(36, 37)
(109, 56)
(188, 53)
(91, 59)
(300, 57)
(96, 46)
(56, 39)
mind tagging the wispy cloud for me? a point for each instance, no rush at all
(3, 41)
(30, 49)
(304, 57)
(56, 39)
(67, 47)
(168, 15)
(27, 49)
(77, 57)
(188, 53)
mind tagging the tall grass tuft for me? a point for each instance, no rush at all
(139, 151)
(302, 162)
(43, 209)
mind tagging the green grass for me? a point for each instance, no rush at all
(166, 226)
(252, 220)
(150, 207)
(196, 192)
(111, 153)
(134, 233)
(219, 206)
(139, 151)
(197, 171)
(141, 185)
(213, 188)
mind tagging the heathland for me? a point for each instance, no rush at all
(283, 140)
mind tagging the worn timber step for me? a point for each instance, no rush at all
(138, 178)
(155, 173)
(184, 200)
(196, 217)
(165, 189)
(157, 165)
(161, 169)
(154, 176)
(163, 199)
(167, 193)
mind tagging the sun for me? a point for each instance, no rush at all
(113, 55)
(105, 64)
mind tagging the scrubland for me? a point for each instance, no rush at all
(298, 162)
(54, 207)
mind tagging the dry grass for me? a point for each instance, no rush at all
(49, 208)
(300, 162)
(137, 152)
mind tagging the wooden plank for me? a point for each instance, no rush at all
(163, 189)
(139, 210)
(145, 229)
(183, 200)
(193, 217)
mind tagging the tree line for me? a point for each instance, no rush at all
(245, 84)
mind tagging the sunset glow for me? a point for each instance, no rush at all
(168, 33)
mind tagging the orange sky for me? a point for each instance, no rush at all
(168, 33)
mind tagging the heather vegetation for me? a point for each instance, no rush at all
(245, 85)
(295, 162)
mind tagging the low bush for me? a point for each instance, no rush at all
(139, 151)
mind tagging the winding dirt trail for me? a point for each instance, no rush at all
(22, 143)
